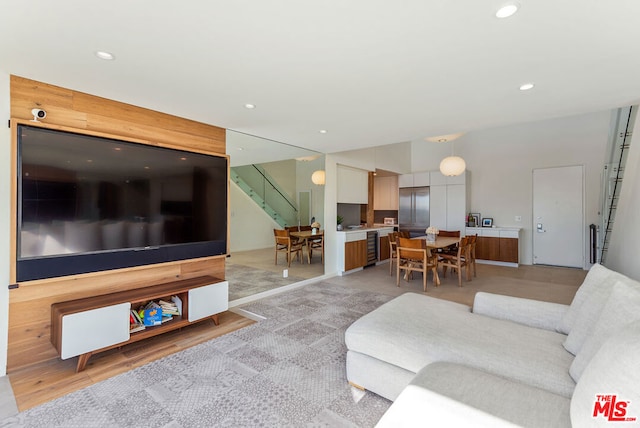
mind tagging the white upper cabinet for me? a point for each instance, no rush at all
(405, 180)
(353, 185)
(417, 179)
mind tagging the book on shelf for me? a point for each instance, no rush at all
(135, 322)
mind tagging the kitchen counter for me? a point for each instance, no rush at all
(367, 229)
(357, 248)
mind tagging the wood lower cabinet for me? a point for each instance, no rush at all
(509, 250)
(86, 326)
(355, 254)
(383, 245)
(496, 244)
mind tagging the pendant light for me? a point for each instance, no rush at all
(451, 165)
(318, 177)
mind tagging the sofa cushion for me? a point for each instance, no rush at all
(597, 275)
(414, 330)
(515, 402)
(591, 302)
(613, 371)
(621, 308)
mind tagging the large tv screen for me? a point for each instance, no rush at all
(88, 204)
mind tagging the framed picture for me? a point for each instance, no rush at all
(474, 219)
(487, 222)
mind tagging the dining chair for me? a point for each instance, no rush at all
(295, 229)
(284, 244)
(457, 261)
(451, 249)
(316, 244)
(413, 256)
(393, 244)
(472, 252)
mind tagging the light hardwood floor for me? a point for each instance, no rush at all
(37, 385)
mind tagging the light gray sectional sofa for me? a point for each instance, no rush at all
(508, 361)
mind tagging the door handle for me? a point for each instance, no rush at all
(539, 228)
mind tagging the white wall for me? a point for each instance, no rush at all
(304, 170)
(5, 210)
(284, 174)
(500, 162)
(624, 244)
(250, 227)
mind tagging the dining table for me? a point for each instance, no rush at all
(443, 242)
(307, 236)
(438, 243)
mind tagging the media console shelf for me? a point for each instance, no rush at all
(87, 326)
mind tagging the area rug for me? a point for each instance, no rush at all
(287, 370)
(246, 281)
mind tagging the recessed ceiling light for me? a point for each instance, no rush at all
(507, 10)
(240, 148)
(250, 106)
(323, 131)
(107, 56)
(526, 86)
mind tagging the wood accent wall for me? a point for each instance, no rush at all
(30, 304)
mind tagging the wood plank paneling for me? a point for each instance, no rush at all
(30, 304)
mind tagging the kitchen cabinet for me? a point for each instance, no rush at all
(448, 201)
(353, 185)
(496, 245)
(383, 243)
(355, 254)
(416, 179)
(385, 193)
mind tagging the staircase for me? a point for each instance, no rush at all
(614, 173)
(265, 192)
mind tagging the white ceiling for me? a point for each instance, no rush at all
(370, 72)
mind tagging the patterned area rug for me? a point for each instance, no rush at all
(285, 371)
(246, 281)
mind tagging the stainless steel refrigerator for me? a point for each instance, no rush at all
(413, 215)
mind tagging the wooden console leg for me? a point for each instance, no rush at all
(355, 385)
(215, 319)
(82, 361)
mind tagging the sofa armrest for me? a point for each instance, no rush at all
(534, 313)
(420, 407)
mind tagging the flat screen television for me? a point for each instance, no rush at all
(88, 204)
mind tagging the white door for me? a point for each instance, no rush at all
(558, 232)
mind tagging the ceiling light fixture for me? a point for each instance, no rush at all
(107, 56)
(444, 138)
(451, 165)
(507, 10)
(250, 106)
(526, 86)
(323, 131)
(318, 177)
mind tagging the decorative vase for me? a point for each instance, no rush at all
(340, 227)
(431, 237)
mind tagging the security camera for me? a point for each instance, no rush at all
(38, 113)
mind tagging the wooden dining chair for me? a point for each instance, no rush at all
(472, 252)
(393, 245)
(285, 244)
(413, 256)
(316, 244)
(457, 261)
(452, 249)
